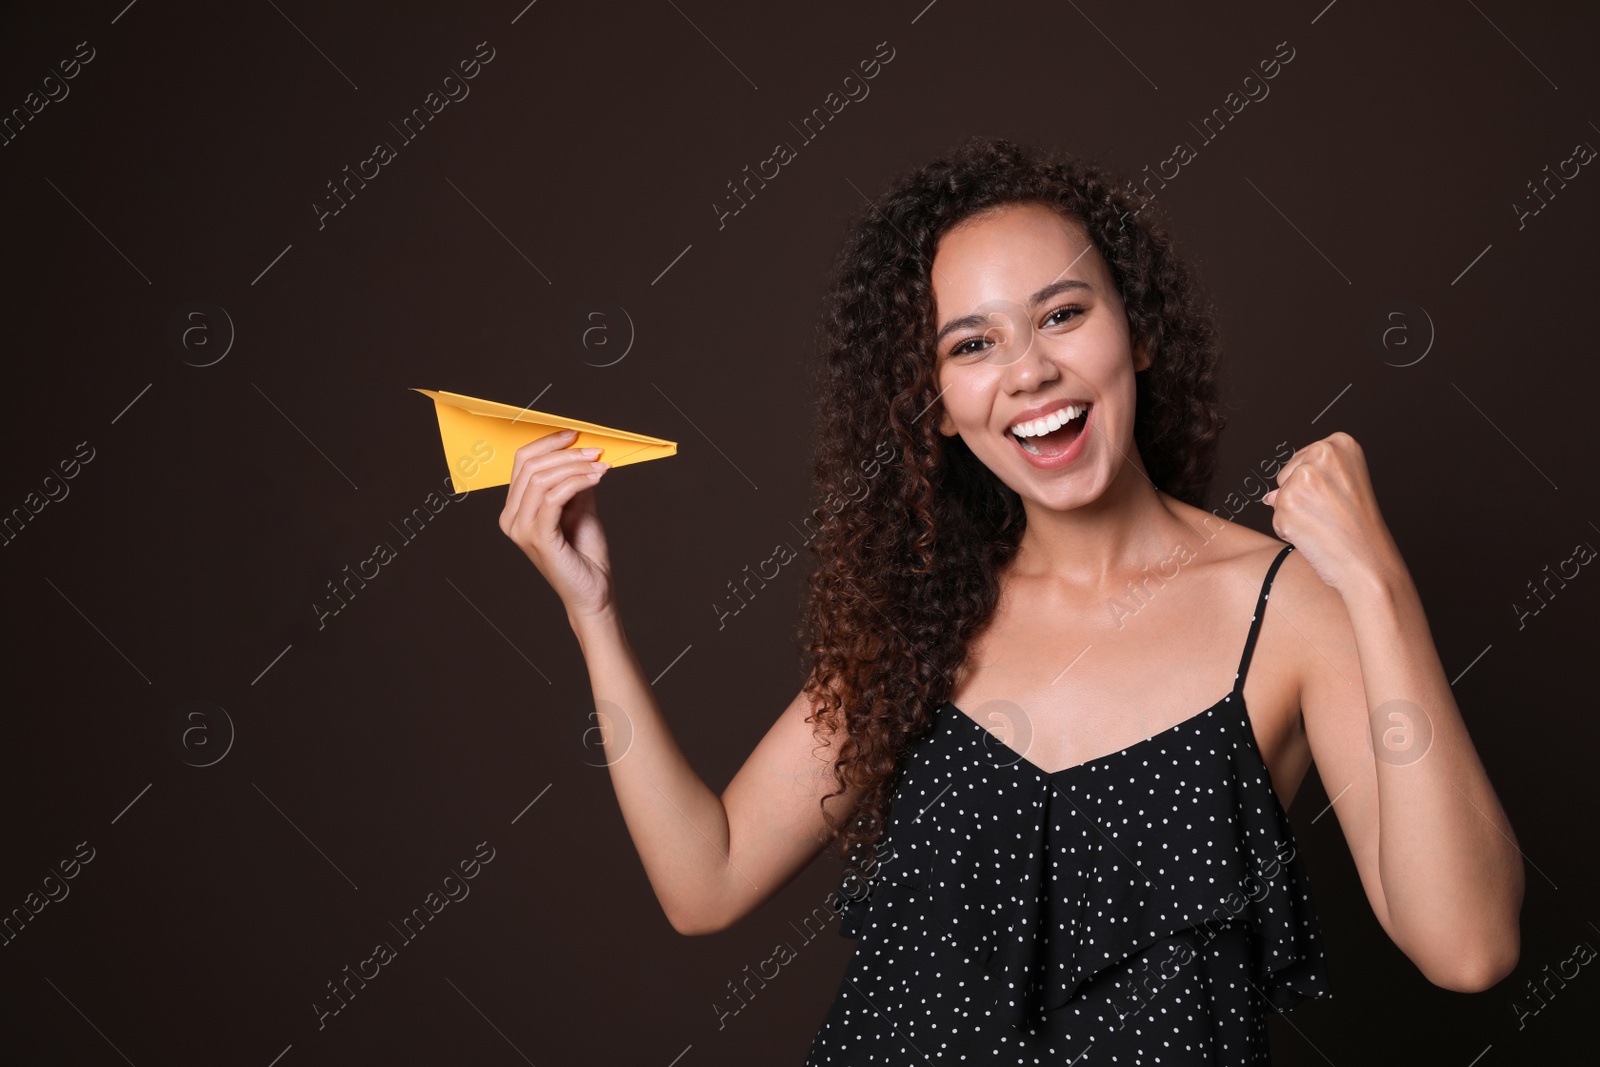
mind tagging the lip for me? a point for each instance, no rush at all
(1074, 450)
(1041, 412)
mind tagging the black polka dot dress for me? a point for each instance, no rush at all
(1147, 907)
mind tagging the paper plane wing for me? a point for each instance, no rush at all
(481, 438)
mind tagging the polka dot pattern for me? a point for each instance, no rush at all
(1146, 907)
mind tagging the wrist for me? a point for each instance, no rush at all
(587, 624)
(1382, 584)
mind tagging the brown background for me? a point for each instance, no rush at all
(377, 751)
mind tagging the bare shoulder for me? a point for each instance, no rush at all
(1235, 551)
(1314, 632)
(1304, 688)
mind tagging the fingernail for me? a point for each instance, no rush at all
(601, 466)
(589, 451)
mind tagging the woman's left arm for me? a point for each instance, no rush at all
(1433, 846)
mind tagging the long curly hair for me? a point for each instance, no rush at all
(912, 531)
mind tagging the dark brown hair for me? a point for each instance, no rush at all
(909, 554)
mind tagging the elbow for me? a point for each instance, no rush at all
(1476, 977)
(688, 929)
(1480, 971)
(695, 925)
(699, 911)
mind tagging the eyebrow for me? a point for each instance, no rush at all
(1037, 298)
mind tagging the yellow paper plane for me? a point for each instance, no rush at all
(481, 438)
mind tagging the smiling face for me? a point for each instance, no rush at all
(1032, 337)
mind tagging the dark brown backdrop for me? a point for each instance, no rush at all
(176, 173)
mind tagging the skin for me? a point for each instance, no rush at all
(1344, 631)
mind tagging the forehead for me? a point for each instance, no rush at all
(1008, 253)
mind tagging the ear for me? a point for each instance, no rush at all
(1141, 355)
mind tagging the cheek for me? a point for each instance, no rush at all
(1110, 352)
(962, 398)
(1111, 379)
(948, 405)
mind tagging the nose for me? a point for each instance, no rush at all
(1012, 338)
(1029, 363)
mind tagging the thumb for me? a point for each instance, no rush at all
(1268, 498)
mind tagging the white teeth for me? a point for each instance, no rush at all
(1053, 421)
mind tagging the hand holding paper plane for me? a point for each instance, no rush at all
(481, 438)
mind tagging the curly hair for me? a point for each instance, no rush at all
(913, 529)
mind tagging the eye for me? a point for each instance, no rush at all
(1076, 309)
(1059, 316)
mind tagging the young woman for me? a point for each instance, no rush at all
(1031, 720)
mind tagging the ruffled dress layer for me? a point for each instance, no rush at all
(1146, 907)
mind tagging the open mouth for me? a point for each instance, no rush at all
(1053, 434)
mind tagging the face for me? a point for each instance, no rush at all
(1032, 336)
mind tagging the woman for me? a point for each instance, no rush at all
(1026, 720)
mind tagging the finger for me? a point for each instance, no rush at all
(543, 518)
(1267, 499)
(508, 513)
(519, 468)
(561, 496)
(530, 512)
(547, 443)
(1299, 457)
(540, 446)
(527, 468)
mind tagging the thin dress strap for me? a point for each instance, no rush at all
(1255, 620)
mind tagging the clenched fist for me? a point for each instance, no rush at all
(1325, 507)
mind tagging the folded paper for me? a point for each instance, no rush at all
(481, 438)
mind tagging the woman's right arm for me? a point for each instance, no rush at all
(711, 860)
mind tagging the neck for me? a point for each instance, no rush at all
(1097, 543)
